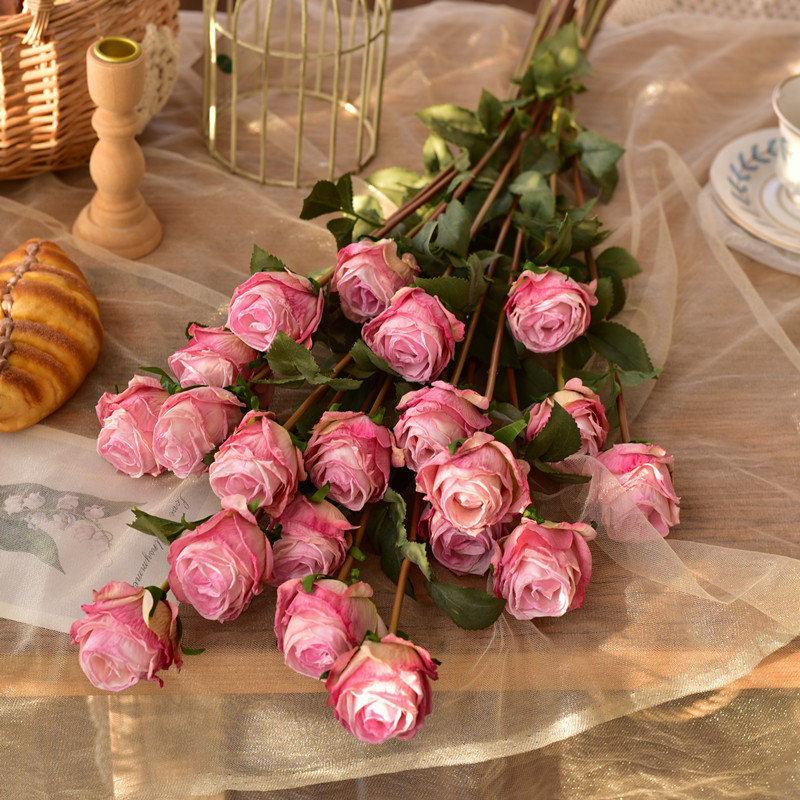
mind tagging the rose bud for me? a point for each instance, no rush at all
(121, 642)
(260, 461)
(478, 486)
(381, 690)
(354, 455)
(314, 540)
(368, 274)
(315, 627)
(583, 405)
(541, 569)
(213, 357)
(190, 425)
(645, 472)
(222, 564)
(415, 335)
(434, 417)
(548, 310)
(269, 302)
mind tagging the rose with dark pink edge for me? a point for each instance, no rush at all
(645, 472)
(121, 642)
(542, 569)
(190, 425)
(221, 565)
(213, 357)
(272, 302)
(354, 455)
(548, 310)
(478, 486)
(260, 461)
(315, 627)
(583, 405)
(434, 417)
(314, 538)
(415, 335)
(381, 690)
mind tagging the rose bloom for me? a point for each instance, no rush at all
(354, 454)
(541, 569)
(415, 335)
(583, 405)
(269, 302)
(548, 310)
(381, 690)
(128, 418)
(120, 642)
(435, 416)
(221, 565)
(478, 486)
(645, 472)
(368, 274)
(213, 357)
(260, 461)
(315, 628)
(314, 540)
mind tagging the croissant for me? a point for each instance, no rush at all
(50, 332)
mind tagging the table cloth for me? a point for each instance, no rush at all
(656, 687)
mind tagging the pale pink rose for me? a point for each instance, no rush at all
(315, 628)
(221, 565)
(645, 472)
(354, 455)
(260, 461)
(541, 569)
(583, 405)
(213, 357)
(190, 425)
(121, 642)
(415, 335)
(142, 398)
(381, 690)
(269, 302)
(368, 274)
(314, 540)
(434, 417)
(547, 310)
(479, 485)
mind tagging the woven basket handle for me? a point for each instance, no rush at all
(40, 10)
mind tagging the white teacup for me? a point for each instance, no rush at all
(786, 103)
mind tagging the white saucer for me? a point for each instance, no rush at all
(743, 179)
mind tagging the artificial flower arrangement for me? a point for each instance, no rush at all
(463, 348)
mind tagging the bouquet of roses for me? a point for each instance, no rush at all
(455, 358)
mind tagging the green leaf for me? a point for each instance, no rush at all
(192, 651)
(321, 493)
(604, 292)
(453, 232)
(559, 438)
(342, 229)
(454, 124)
(288, 357)
(560, 249)
(536, 199)
(619, 261)
(490, 112)
(436, 155)
(478, 283)
(557, 61)
(634, 378)
(165, 530)
(157, 594)
(397, 183)
(470, 608)
(454, 292)
(368, 361)
(323, 199)
(508, 433)
(262, 261)
(577, 353)
(534, 381)
(560, 477)
(536, 156)
(620, 346)
(598, 159)
(344, 187)
(386, 526)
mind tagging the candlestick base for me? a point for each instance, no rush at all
(140, 234)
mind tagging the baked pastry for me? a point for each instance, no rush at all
(50, 332)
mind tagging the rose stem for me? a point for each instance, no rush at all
(357, 539)
(581, 198)
(624, 428)
(400, 591)
(315, 395)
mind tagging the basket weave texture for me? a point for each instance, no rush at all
(45, 108)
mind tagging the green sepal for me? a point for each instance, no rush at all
(508, 433)
(167, 383)
(321, 493)
(368, 361)
(158, 594)
(192, 651)
(470, 608)
(307, 583)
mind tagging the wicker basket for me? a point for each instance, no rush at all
(45, 108)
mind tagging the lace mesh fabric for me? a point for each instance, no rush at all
(563, 709)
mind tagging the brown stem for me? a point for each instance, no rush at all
(388, 381)
(581, 198)
(315, 395)
(397, 605)
(357, 539)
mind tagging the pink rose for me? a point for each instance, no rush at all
(121, 642)
(269, 302)
(548, 310)
(541, 569)
(368, 274)
(381, 690)
(260, 461)
(213, 357)
(415, 335)
(354, 454)
(314, 540)
(315, 628)
(222, 564)
(128, 418)
(435, 416)
(190, 425)
(583, 405)
(478, 486)
(645, 472)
